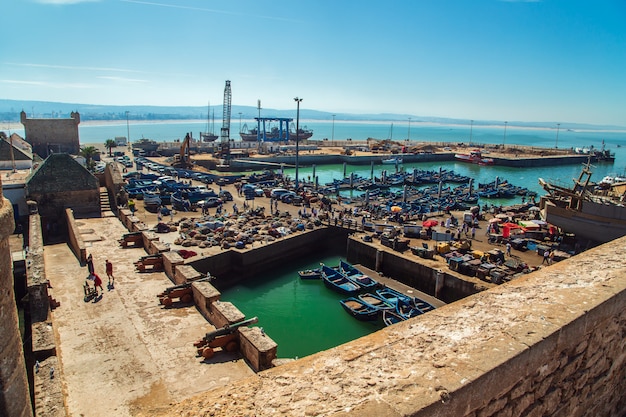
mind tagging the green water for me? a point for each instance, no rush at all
(302, 316)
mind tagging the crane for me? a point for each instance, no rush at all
(225, 131)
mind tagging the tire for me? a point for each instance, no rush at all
(167, 301)
(187, 298)
(207, 353)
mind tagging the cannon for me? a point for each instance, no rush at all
(135, 239)
(150, 263)
(181, 291)
(225, 338)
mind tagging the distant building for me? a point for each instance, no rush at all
(47, 136)
(121, 141)
(58, 183)
(15, 153)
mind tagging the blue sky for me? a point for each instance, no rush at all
(551, 60)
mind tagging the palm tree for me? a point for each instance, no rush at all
(109, 144)
(88, 152)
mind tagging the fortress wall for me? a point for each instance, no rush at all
(52, 135)
(548, 343)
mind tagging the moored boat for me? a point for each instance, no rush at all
(353, 274)
(377, 301)
(315, 273)
(423, 306)
(394, 296)
(360, 309)
(474, 157)
(392, 161)
(392, 317)
(336, 281)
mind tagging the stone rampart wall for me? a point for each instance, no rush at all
(548, 343)
(76, 242)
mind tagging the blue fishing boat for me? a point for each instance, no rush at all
(315, 273)
(424, 306)
(377, 301)
(353, 274)
(360, 309)
(408, 310)
(391, 317)
(336, 281)
(393, 296)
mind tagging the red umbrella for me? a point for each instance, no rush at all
(430, 223)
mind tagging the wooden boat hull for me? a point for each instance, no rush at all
(310, 273)
(391, 317)
(359, 309)
(338, 282)
(356, 276)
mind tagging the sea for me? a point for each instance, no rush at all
(304, 317)
(414, 132)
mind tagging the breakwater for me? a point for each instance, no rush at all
(271, 162)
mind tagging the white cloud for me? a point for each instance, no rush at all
(122, 79)
(67, 67)
(64, 2)
(49, 85)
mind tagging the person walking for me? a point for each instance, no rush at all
(97, 282)
(508, 249)
(473, 232)
(90, 264)
(109, 270)
(546, 257)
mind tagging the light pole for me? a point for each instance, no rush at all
(556, 143)
(127, 130)
(239, 122)
(333, 133)
(409, 136)
(504, 138)
(297, 100)
(471, 128)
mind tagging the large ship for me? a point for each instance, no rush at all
(596, 213)
(275, 135)
(147, 145)
(474, 157)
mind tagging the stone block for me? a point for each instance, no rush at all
(258, 348)
(204, 295)
(170, 261)
(185, 273)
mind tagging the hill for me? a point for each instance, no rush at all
(10, 112)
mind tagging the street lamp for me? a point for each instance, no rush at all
(471, 127)
(556, 143)
(297, 100)
(239, 122)
(504, 138)
(127, 130)
(409, 137)
(333, 134)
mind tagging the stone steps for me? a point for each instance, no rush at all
(105, 203)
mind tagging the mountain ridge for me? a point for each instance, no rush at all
(10, 112)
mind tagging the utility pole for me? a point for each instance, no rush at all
(504, 138)
(556, 143)
(297, 100)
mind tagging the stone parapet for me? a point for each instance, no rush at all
(257, 347)
(204, 297)
(547, 343)
(185, 273)
(171, 260)
(75, 239)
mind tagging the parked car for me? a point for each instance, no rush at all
(277, 192)
(225, 195)
(210, 202)
(288, 197)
